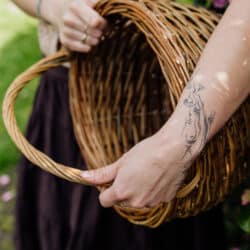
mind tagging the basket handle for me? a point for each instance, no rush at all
(35, 156)
(63, 55)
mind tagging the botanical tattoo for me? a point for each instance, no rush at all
(197, 122)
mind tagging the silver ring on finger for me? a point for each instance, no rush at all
(84, 37)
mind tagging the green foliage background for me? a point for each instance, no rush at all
(18, 50)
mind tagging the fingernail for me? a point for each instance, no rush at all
(87, 174)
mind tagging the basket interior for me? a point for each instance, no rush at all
(119, 95)
(127, 100)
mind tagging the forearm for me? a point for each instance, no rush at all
(220, 83)
(49, 10)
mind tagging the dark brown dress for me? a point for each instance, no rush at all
(53, 214)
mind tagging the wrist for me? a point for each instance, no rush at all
(172, 135)
(50, 11)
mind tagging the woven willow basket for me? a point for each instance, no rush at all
(125, 90)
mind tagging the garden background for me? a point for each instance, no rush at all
(18, 50)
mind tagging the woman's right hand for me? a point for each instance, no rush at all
(80, 26)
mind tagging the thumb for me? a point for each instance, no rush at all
(101, 175)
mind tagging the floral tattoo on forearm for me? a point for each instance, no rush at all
(197, 122)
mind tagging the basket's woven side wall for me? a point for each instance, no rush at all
(129, 85)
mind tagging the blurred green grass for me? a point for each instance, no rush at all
(18, 50)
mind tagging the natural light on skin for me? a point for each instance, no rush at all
(222, 77)
(222, 84)
(198, 78)
(237, 23)
(219, 89)
(245, 62)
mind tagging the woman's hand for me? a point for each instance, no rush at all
(80, 26)
(150, 173)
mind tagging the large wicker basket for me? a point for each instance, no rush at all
(125, 90)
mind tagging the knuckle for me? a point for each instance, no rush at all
(73, 6)
(102, 200)
(65, 31)
(97, 33)
(87, 48)
(95, 22)
(95, 42)
(66, 20)
(120, 193)
(94, 175)
(137, 204)
(103, 174)
(64, 41)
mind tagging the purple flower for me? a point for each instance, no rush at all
(4, 180)
(220, 3)
(7, 196)
(245, 198)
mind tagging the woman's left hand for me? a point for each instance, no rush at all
(148, 174)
